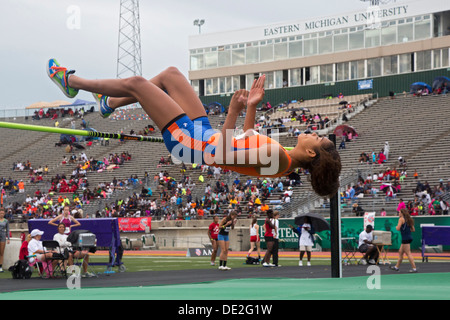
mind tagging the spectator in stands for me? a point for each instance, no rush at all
(386, 150)
(401, 205)
(358, 210)
(445, 206)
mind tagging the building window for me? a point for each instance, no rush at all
(437, 59)
(310, 47)
(279, 79)
(312, 75)
(390, 65)
(295, 49)
(236, 83)
(211, 60)
(295, 78)
(341, 42)
(373, 67)
(281, 51)
(326, 73)
(326, 43)
(270, 81)
(357, 69)
(238, 57)
(422, 28)
(372, 38)
(197, 62)
(405, 33)
(445, 58)
(404, 61)
(389, 35)
(266, 53)
(343, 71)
(356, 39)
(423, 60)
(252, 55)
(196, 86)
(224, 58)
(211, 86)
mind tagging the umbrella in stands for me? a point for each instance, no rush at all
(385, 186)
(343, 102)
(343, 128)
(441, 82)
(317, 221)
(416, 86)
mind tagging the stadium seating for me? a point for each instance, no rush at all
(416, 128)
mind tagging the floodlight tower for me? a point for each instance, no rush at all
(199, 23)
(129, 61)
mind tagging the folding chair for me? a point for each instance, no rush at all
(44, 268)
(83, 242)
(56, 265)
(349, 250)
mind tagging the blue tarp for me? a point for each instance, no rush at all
(420, 86)
(78, 103)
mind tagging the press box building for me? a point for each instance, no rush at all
(381, 49)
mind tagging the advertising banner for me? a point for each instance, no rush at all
(134, 224)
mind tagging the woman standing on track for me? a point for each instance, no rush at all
(4, 235)
(254, 238)
(225, 227)
(405, 226)
(65, 218)
(269, 230)
(213, 232)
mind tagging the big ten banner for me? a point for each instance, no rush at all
(352, 227)
(135, 224)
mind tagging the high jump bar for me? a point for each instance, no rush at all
(76, 132)
(84, 133)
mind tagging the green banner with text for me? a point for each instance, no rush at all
(352, 227)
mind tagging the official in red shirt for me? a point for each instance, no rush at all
(213, 232)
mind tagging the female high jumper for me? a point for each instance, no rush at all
(173, 105)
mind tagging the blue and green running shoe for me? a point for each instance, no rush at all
(59, 76)
(102, 103)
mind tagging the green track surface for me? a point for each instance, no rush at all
(430, 286)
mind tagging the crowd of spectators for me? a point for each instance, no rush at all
(169, 199)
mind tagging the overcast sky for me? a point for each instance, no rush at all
(32, 31)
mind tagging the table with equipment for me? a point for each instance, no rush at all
(106, 231)
(383, 240)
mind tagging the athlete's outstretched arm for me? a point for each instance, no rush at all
(237, 104)
(254, 98)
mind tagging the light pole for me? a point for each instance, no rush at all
(199, 23)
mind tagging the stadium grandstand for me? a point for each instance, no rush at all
(356, 70)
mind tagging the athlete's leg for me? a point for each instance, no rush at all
(158, 105)
(177, 87)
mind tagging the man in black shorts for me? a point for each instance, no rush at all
(366, 246)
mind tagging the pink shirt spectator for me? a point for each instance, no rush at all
(401, 206)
